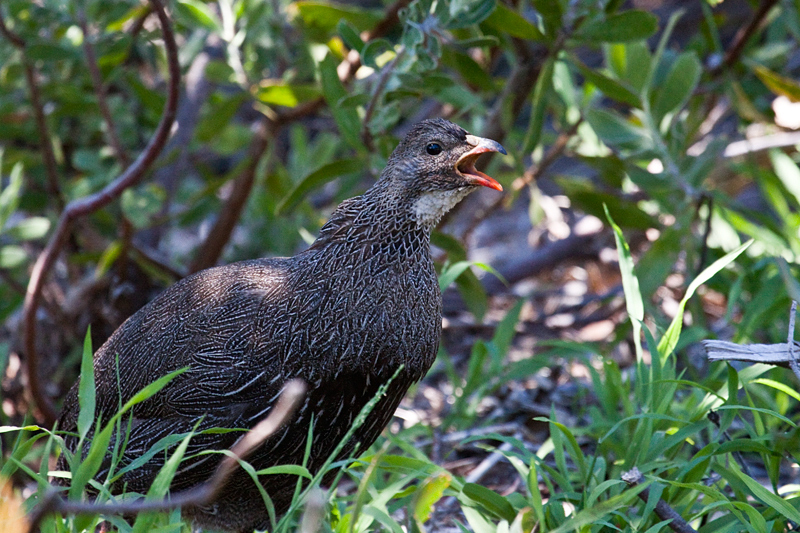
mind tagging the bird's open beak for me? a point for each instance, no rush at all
(466, 163)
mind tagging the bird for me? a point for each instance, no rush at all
(360, 305)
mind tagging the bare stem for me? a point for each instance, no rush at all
(633, 477)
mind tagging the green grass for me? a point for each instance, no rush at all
(649, 416)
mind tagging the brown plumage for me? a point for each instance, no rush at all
(342, 315)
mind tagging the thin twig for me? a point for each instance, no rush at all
(380, 85)
(742, 36)
(100, 92)
(12, 37)
(633, 477)
(51, 167)
(90, 204)
(290, 399)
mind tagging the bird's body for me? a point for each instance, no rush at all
(343, 316)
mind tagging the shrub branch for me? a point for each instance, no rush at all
(89, 204)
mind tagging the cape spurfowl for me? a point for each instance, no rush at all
(343, 316)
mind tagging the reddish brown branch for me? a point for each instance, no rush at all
(212, 247)
(662, 509)
(288, 402)
(50, 165)
(100, 93)
(220, 233)
(743, 35)
(12, 37)
(90, 204)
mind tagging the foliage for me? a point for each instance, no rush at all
(668, 126)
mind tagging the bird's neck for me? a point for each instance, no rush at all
(380, 220)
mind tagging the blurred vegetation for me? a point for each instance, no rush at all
(676, 121)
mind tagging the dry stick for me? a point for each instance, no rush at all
(633, 477)
(84, 206)
(51, 167)
(211, 248)
(290, 399)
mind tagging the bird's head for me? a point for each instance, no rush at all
(433, 168)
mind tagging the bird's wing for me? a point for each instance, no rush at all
(207, 324)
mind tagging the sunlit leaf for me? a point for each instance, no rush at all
(778, 84)
(679, 85)
(287, 95)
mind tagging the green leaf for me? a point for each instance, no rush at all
(543, 84)
(346, 118)
(464, 13)
(429, 493)
(349, 35)
(219, 116)
(144, 521)
(86, 387)
(772, 500)
(373, 49)
(630, 284)
(670, 339)
(287, 95)
(295, 470)
(627, 26)
(585, 197)
(198, 14)
(12, 256)
(778, 84)
(490, 500)
(317, 178)
(679, 85)
(551, 13)
(142, 203)
(786, 170)
(29, 229)
(612, 88)
(509, 22)
(9, 198)
(616, 131)
(326, 16)
(50, 52)
(505, 331)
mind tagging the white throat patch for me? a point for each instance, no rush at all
(431, 206)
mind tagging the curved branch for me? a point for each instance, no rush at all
(90, 204)
(290, 399)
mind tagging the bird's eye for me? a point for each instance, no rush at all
(433, 149)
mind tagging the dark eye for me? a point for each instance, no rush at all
(433, 149)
